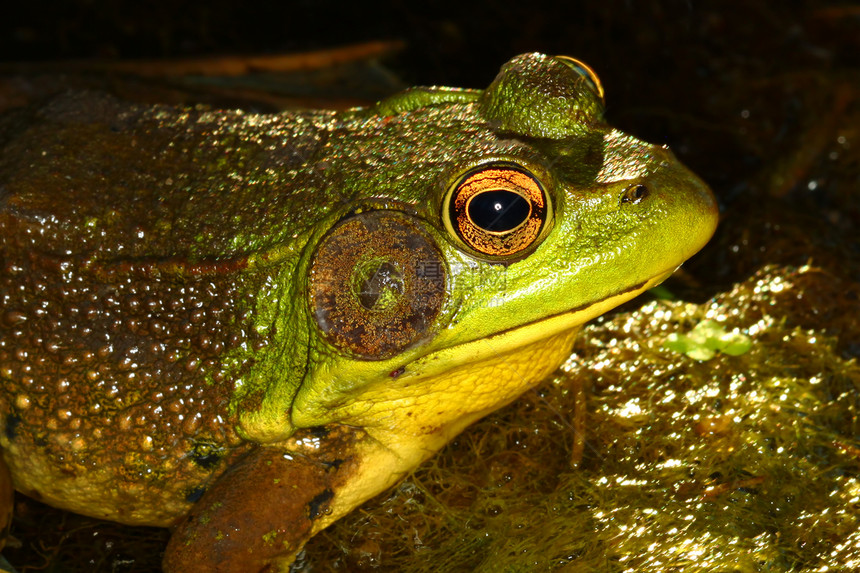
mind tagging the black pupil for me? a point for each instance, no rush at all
(498, 211)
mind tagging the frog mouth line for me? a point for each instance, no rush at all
(511, 339)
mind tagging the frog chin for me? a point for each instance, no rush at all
(398, 434)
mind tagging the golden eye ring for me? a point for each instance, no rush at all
(497, 210)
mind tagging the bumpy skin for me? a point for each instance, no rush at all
(173, 285)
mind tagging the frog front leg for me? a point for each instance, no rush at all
(259, 514)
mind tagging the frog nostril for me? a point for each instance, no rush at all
(635, 194)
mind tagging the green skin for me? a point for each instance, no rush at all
(158, 342)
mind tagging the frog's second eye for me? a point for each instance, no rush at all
(497, 210)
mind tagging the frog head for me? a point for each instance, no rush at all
(478, 231)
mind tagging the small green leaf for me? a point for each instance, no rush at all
(706, 339)
(736, 344)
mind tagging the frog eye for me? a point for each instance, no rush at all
(586, 72)
(498, 209)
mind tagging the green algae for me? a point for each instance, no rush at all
(706, 339)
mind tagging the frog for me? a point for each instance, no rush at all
(242, 326)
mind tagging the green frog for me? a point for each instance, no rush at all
(242, 326)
